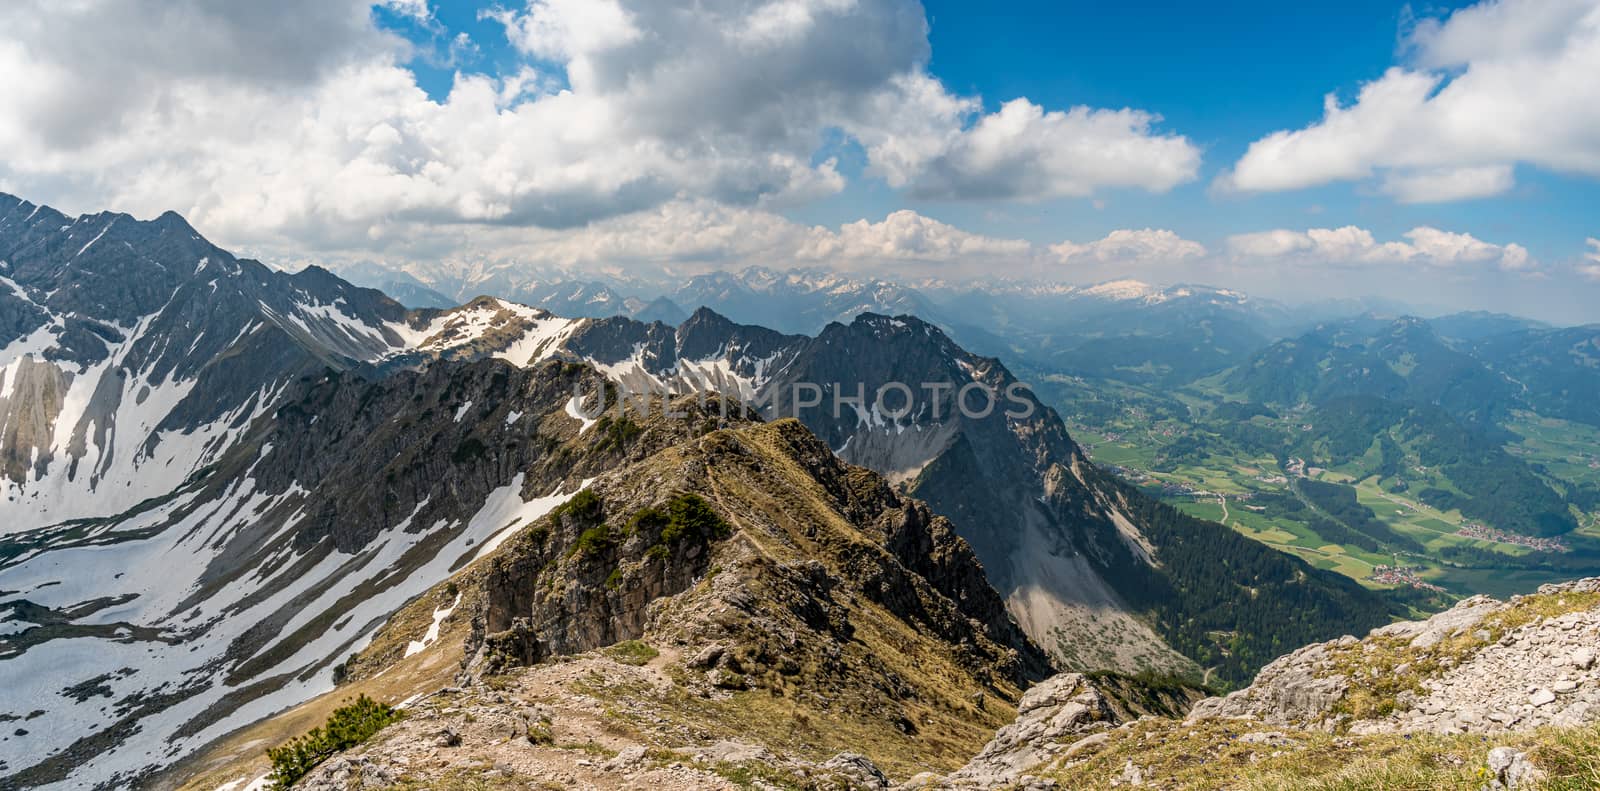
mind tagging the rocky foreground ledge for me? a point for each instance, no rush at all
(1483, 666)
(1487, 695)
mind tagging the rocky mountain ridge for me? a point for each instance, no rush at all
(134, 353)
(1081, 559)
(297, 459)
(236, 595)
(743, 584)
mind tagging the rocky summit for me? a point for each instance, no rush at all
(1483, 666)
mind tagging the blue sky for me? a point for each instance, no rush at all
(1061, 141)
(1223, 74)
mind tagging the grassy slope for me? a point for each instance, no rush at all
(1210, 755)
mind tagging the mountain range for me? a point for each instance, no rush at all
(223, 479)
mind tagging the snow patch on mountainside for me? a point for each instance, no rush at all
(1121, 290)
(575, 410)
(418, 646)
(96, 448)
(149, 629)
(505, 512)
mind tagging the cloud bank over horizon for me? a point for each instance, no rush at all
(695, 135)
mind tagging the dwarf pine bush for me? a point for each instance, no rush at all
(347, 726)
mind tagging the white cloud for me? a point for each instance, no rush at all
(1131, 246)
(908, 236)
(1590, 266)
(696, 235)
(705, 233)
(1448, 184)
(300, 128)
(1024, 152)
(416, 9)
(568, 30)
(1494, 85)
(1352, 246)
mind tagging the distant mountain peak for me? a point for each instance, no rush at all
(1120, 289)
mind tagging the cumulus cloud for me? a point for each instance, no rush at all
(1024, 152)
(568, 31)
(1130, 246)
(706, 233)
(1352, 246)
(1590, 266)
(298, 125)
(908, 236)
(694, 235)
(1501, 83)
(78, 73)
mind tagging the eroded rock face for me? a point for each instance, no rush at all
(1049, 714)
(1292, 690)
(1483, 666)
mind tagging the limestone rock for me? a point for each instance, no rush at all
(858, 769)
(1509, 769)
(1063, 715)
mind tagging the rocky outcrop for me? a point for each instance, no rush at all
(1058, 718)
(795, 533)
(1509, 770)
(1481, 667)
(1488, 695)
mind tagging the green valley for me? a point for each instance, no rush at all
(1382, 452)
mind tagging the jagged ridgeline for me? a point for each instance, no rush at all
(222, 480)
(767, 591)
(1096, 573)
